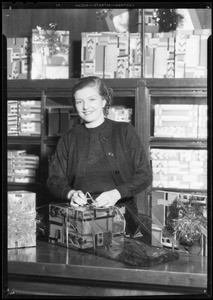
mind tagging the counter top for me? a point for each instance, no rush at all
(52, 261)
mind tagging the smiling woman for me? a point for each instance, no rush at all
(89, 105)
(100, 156)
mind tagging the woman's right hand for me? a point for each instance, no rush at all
(77, 198)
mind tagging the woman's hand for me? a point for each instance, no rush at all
(77, 198)
(107, 199)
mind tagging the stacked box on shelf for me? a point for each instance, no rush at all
(202, 121)
(170, 207)
(24, 117)
(50, 54)
(22, 167)
(21, 219)
(18, 56)
(30, 117)
(176, 120)
(180, 121)
(120, 114)
(135, 55)
(180, 54)
(111, 54)
(10, 166)
(85, 227)
(12, 118)
(185, 169)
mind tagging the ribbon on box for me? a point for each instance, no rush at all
(118, 222)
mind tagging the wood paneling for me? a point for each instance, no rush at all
(20, 22)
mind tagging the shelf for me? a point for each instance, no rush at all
(176, 190)
(28, 140)
(176, 83)
(13, 186)
(156, 142)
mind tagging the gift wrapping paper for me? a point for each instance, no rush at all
(21, 219)
(178, 54)
(82, 228)
(18, 56)
(111, 54)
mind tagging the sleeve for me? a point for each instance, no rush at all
(57, 183)
(140, 176)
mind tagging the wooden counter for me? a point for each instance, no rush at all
(55, 270)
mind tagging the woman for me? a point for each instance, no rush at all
(99, 156)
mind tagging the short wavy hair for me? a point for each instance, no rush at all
(104, 91)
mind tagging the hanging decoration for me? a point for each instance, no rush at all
(167, 19)
(103, 13)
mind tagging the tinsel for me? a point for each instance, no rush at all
(103, 13)
(23, 221)
(185, 220)
(49, 37)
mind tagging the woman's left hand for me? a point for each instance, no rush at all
(107, 199)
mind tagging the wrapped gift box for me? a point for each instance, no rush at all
(82, 228)
(111, 54)
(178, 54)
(50, 54)
(18, 55)
(21, 219)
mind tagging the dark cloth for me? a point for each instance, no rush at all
(127, 161)
(98, 177)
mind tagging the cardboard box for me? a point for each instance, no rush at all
(21, 219)
(82, 228)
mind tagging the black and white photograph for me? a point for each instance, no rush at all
(106, 150)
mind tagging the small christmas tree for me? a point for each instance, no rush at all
(168, 19)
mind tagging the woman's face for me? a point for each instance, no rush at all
(89, 105)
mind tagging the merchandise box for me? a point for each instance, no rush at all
(111, 54)
(21, 219)
(18, 57)
(50, 54)
(185, 169)
(85, 227)
(178, 54)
